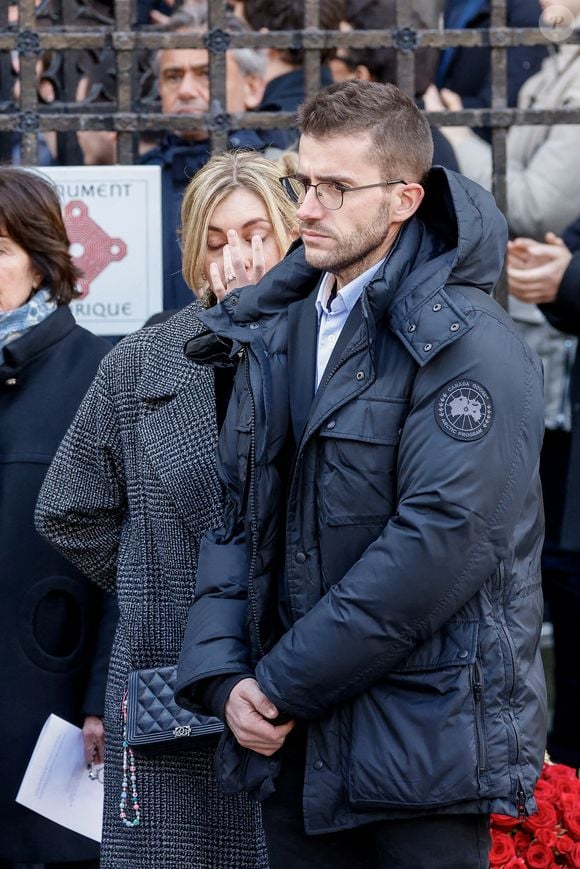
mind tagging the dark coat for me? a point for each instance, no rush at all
(413, 530)
(468, 70)
(127, 498)
(284, 93)
(571, 236)
(180, 160)
(50, 612)
(564, 314)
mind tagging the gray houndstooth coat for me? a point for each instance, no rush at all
(130, 492)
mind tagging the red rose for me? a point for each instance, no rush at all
(545, 790)
(522, 841)
(539, 856)
(503, 822)
(566, 801)
(572, 822)
(565, 844)
(502, 848)
(546, 836)
(515, 863)
(575, 855)
(558, 771)
(544, 817)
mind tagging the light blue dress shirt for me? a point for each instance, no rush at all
(332, 315)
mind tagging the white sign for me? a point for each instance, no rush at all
(56, 783)
(113, 219)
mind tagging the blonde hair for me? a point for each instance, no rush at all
(224, 173)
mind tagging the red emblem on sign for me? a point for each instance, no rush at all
(91, 248)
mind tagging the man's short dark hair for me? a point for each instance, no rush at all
(289, 15)
(400, 133)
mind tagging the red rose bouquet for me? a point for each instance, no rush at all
(549, 838)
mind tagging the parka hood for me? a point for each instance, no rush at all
(461, 211)
(458, 237)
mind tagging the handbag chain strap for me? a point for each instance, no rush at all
(129, 775)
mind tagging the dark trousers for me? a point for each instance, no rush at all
(561, 580)
(561, 583)
(431, 842)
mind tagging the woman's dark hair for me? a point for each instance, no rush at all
(30, 214)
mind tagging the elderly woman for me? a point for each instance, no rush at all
(50, 613)
(131, 492)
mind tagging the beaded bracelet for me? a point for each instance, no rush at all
(129, 772)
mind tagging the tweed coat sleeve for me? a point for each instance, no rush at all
(83, 499)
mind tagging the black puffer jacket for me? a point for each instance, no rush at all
(412, 531)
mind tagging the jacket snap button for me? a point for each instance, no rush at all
(437, 307)
(233, 300)
(300, 557)
(317, 764)
(411, 327)
(360, 375)
(331, 424)
(427, 347)
(254, 325)
(454, 327)
(10, 382)
(463, 654)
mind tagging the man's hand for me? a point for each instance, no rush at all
(94, 739)
(247, 713)
(535, 270)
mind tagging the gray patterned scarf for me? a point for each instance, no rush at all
(15, 323)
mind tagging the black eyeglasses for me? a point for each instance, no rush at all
(329, 193)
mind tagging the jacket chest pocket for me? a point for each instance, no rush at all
(358, 457)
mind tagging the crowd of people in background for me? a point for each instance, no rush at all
(135, 486)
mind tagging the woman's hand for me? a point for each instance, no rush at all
(94, 739)
(236, 272)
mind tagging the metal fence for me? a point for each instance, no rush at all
(70, 37)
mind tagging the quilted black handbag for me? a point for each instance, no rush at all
(155, 723)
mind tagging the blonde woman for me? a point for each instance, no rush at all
(128, 497)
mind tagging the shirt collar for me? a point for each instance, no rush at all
(348, 296)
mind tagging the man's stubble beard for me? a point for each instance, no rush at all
(354, 252)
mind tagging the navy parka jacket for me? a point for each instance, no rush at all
(407, 533)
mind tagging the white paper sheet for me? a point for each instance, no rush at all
(56, 783)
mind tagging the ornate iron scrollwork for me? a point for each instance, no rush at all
(220, 123)
(405, 39)
(217, 41)
(28, 122)
(28, 42)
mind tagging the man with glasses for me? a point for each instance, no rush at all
(367, 621)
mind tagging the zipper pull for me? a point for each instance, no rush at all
(521, 804)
